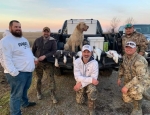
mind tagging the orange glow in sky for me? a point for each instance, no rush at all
(36, 14)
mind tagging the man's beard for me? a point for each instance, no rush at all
(16, 34)
(129, 34)
(46, 36)
(86, 58)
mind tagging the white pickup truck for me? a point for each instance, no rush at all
(93, 36)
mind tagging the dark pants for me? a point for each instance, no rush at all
(19, 86)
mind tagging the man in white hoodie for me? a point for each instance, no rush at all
(3, 77)
(18, 62)
(86, 73)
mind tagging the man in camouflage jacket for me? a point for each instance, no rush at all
(138, 38)
(141, 43)
(134, 69)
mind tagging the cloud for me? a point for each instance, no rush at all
(50, 12)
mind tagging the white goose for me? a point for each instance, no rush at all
(113, 54)
(79, 54)
(97, 52)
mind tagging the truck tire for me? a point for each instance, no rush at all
(58, 71)
(106, 73)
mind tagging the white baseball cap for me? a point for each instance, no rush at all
(87, 47)
(131, 44)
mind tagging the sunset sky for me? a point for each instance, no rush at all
(35, 14)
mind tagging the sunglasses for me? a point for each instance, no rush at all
(131, 44)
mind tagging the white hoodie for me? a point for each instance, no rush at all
(6, 32)
(84, 73)
(16, 55)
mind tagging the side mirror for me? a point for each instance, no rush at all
(59, 31)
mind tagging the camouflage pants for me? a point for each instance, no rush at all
(48, 68)
(91, 93)
(136, 92)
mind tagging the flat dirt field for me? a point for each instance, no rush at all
(109, 100)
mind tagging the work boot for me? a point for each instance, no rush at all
(92, 112)
(53, 96)
(137, 110)
(91, 105)
(146, 95)
(31, 104)
(39, 96)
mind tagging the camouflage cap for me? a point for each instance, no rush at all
(128, 25)
(46, 28)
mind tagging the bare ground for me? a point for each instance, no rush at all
(109, 100)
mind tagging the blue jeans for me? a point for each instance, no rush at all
(19, 86)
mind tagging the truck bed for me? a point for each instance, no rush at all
(104, 62)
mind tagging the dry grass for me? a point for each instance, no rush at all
(4, 100)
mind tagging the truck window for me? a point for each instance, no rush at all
(144, 29)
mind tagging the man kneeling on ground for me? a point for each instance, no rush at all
(86, 74)
(134, 69)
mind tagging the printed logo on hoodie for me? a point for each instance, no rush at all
(24, 44)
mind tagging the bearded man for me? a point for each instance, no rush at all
(18, 62)
(138, 38)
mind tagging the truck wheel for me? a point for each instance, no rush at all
(106, 73)
(58, 71)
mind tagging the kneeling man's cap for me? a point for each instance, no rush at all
(87, 47)
(131, 44)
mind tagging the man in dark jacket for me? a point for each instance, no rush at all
(43, 48)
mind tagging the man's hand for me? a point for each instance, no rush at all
(41, 58)
(77, 86)
(119, 82)
(95, 81)
(124, 90)
(141, 53)
(36, 61)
